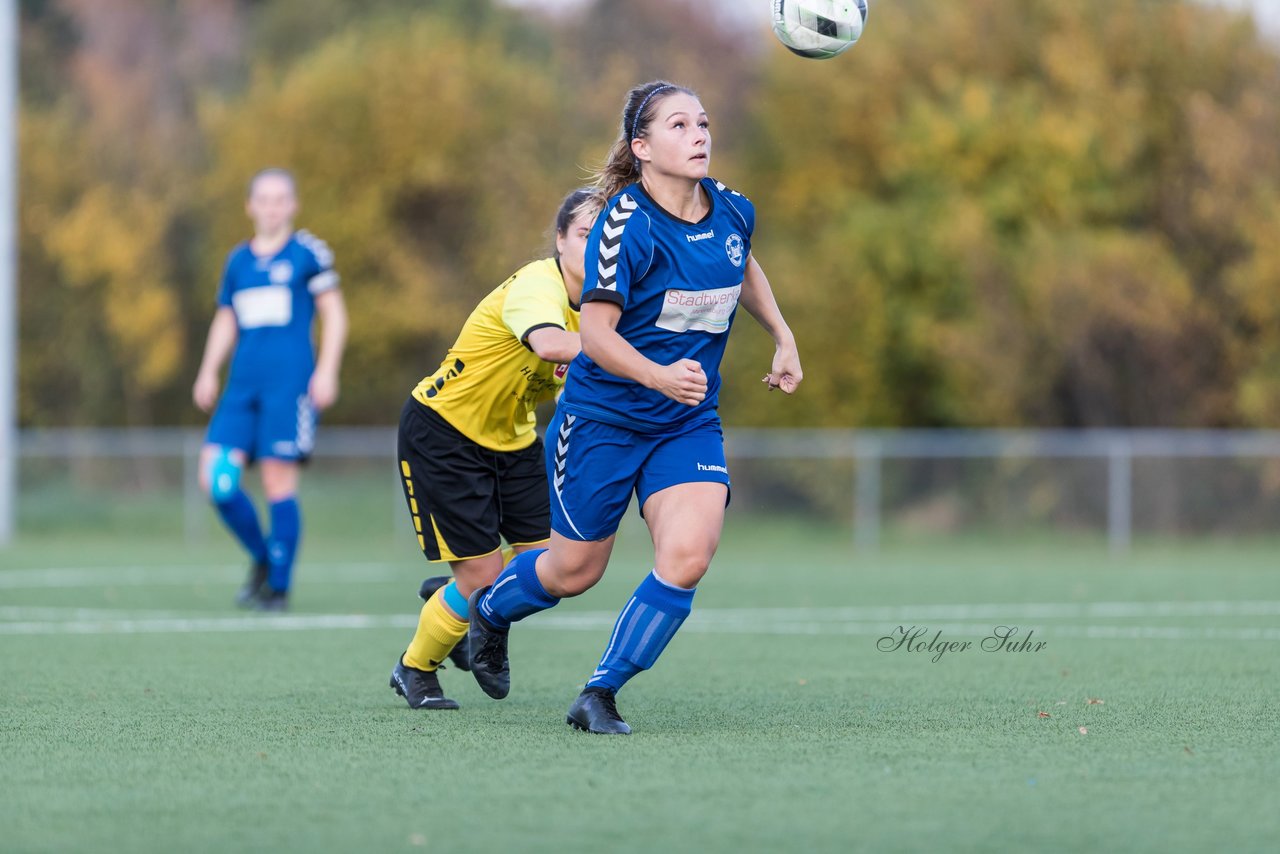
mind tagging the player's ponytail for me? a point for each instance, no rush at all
(622, 168)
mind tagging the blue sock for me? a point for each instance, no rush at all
(516, 593)
(286, 529)
(239, 514)
(644, 628)
(455, 600)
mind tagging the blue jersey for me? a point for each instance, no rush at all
(678, 284)
(273, 298)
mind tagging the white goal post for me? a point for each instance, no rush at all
(8, 263)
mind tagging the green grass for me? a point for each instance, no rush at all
(290, 740)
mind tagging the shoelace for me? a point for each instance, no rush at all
(492, 651)
(428, 683)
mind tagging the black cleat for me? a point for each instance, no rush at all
(270, 600)
(487, 647)
(420, 688)
(458, 655)
(253, 585)
(431, 585)
(596, 711)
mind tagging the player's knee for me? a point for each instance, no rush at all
(577, 584)
(684, 566)
(223, 476)
(476, 573)
(279, 480)
(573, 578)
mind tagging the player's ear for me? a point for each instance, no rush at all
(640, 148)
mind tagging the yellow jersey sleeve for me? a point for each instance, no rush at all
(490, 383)
(534, 300)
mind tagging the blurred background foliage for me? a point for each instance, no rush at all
(990, 213)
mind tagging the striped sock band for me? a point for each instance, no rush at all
(646, 625)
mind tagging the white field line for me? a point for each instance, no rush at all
(363, 573)
(38, 612)
(736, 621)
(146, 576)
(187, 625)
(1029, 611)
(900, 614)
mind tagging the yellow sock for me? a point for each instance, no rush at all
(507, 554)
(438, 632)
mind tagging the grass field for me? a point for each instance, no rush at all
(139, 712)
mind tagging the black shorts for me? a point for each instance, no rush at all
(463, 497)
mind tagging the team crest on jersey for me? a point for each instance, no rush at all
(281, 273)
(734, 247)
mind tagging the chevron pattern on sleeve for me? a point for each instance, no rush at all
(317, 247)
(722, 188)
(611, 242)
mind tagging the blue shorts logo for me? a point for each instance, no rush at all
(734, 247)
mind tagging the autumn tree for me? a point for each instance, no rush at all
(1006, 212)
(1000, 212)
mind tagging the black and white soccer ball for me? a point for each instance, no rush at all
(818, 29)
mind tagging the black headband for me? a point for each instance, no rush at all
(635, 123)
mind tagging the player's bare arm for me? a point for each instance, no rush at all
(323, 388)
(683, 381)
(757, 298)
(223, 333)
(555, 345)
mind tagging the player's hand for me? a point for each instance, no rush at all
(683, 381)
(205, 391)
(323, 389)
(786, 373)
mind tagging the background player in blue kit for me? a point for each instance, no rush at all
(272, 288)
(668, 262)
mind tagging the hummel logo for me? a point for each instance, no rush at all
(721, 469)
(694, 238)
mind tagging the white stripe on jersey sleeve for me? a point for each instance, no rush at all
(317, 247)
(729, 193)
(326, 281)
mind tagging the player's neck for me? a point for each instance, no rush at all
(269, 243)
(572, 287)
(679, 197)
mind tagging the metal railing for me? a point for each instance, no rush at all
(867, 450)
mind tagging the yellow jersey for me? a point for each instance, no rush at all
(490, 381)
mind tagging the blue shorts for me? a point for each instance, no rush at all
(274, 425)
(594, 467)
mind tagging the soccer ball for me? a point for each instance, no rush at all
(818, 29)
